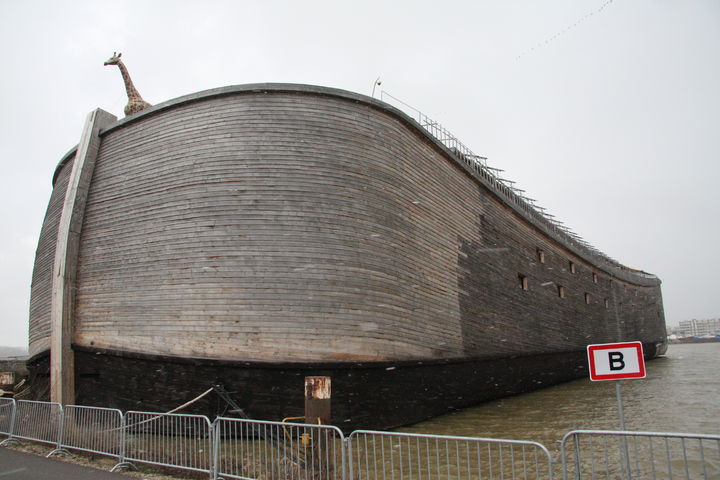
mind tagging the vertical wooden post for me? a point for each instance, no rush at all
(318, 412)
(67, 247)
(317, 400)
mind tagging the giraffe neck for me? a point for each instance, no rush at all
(132, 92)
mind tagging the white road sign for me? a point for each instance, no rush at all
(616, 361)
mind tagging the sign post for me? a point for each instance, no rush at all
(617, 361)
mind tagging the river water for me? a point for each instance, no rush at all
(681, 393)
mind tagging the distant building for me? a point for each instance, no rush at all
(699, 328)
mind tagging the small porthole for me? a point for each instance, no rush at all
(587, 298)
(571, 266)
(541, 255)
(523, 281)
(561, 291)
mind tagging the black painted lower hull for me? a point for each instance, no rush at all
(364, 395)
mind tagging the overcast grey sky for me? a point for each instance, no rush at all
(607, 113)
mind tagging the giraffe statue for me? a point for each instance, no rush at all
(135, 101)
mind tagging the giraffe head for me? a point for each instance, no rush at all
(114, 60)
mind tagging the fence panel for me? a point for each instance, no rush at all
(277, 450)
(7, 416)
(248, 449)
(39, 421)
(93, 429)
(604, 454)
(387, 455)
(168, 439)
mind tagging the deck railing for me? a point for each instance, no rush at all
(505, 188)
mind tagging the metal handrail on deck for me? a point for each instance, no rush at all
(478, 166)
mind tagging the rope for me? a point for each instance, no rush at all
(166, 413)
(191, 401)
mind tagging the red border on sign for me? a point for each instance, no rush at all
(616, 376)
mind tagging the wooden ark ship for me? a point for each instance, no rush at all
(253, 235)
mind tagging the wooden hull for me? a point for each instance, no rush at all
(285, 225)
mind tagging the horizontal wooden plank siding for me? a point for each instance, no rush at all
(272, 227)
(499, 313)
(41, 289)
(300, 224)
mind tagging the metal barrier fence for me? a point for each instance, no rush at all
(277, 450)
(243, 449)
(93, 429)
(604, 454)
(7, 416)
(387, 455)
(38, 421)
(169, 439)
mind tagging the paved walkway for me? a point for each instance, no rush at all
(26, 466)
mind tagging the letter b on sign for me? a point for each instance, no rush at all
(616, 361)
